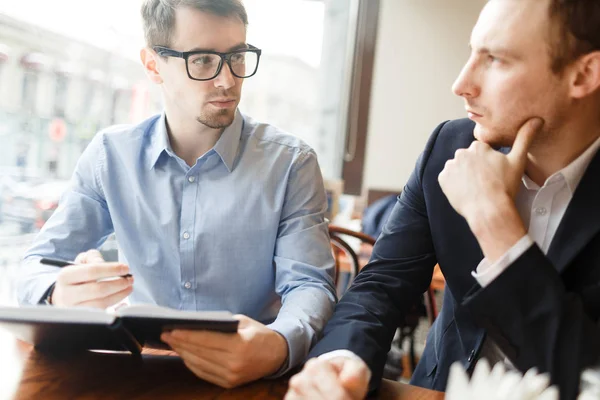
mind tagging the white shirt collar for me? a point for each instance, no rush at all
(572, 173)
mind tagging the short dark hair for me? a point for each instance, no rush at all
(158, 16)
(575, 32)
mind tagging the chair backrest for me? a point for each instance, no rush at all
(347, 261)
(348, 264)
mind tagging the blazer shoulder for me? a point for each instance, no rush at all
(446, 138)
(456, 133)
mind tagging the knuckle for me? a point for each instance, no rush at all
(236, 367)
(232, 380)
(60, 278)
(296, 381)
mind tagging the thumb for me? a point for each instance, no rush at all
(244, 321)
(355, 376)
(525, 136)
(89, 257)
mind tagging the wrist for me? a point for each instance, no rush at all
(497, 226)
(280, 355)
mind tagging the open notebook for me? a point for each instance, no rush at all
(129, 328)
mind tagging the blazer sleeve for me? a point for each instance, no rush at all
(529, 314)
(399, 271)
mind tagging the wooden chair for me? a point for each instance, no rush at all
(348, 264)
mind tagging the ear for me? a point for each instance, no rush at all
(586, 75)
(150, 62)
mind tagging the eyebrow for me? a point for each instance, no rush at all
(240, 46)
(503, 52)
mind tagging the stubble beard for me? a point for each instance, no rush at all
(217, 120)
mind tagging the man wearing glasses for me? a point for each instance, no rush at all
(211, 209)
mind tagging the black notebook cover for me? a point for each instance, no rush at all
(70, 329)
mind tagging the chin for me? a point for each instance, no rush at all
(492, 137)
(218, 120)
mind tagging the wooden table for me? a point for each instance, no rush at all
(28, 374)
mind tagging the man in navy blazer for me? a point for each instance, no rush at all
(507, 202)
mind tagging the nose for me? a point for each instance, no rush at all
(466, 84)
(225, 79)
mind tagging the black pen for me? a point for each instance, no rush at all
(61, 263)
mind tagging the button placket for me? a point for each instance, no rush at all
(541, 211)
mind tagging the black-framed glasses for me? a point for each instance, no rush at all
(205, 65)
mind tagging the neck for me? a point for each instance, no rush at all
(560, 147)
(191, 139)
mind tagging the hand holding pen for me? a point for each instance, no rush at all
(90, 281)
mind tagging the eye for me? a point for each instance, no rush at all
(238, 58)
(493, 59)
(203, 60)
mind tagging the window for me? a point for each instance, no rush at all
(62, 79)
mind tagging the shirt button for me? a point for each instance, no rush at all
(186, 235)
(191, 179)
(187, 285)
(540, 211)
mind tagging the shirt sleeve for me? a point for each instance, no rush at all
(486, 272)
(303, 261)
(80, 223)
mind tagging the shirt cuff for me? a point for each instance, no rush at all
(344, 353)
(295, 336)
(33, 281)
(340, 353)
(486, 272)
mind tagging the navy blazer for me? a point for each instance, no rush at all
(542, 311)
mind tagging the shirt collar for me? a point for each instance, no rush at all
(159, 141)
(229, 142)
(575, 171)
(572, 173)
(226, 147)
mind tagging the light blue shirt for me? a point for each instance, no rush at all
(242, 230)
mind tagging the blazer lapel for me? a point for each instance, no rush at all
(581, 221)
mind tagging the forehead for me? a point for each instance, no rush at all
(518, 25)
(195, 29)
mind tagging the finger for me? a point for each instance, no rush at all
(210, 355)
(303, 385)
(479, 147)
(84, 273)
(206, 376)
(292, 394)
(207, 370)
(108, 301)
(525, 136)
(355, 378)
(88, 257)
(325, 378)
(205, 339)
(244, 321)
(98, 290)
